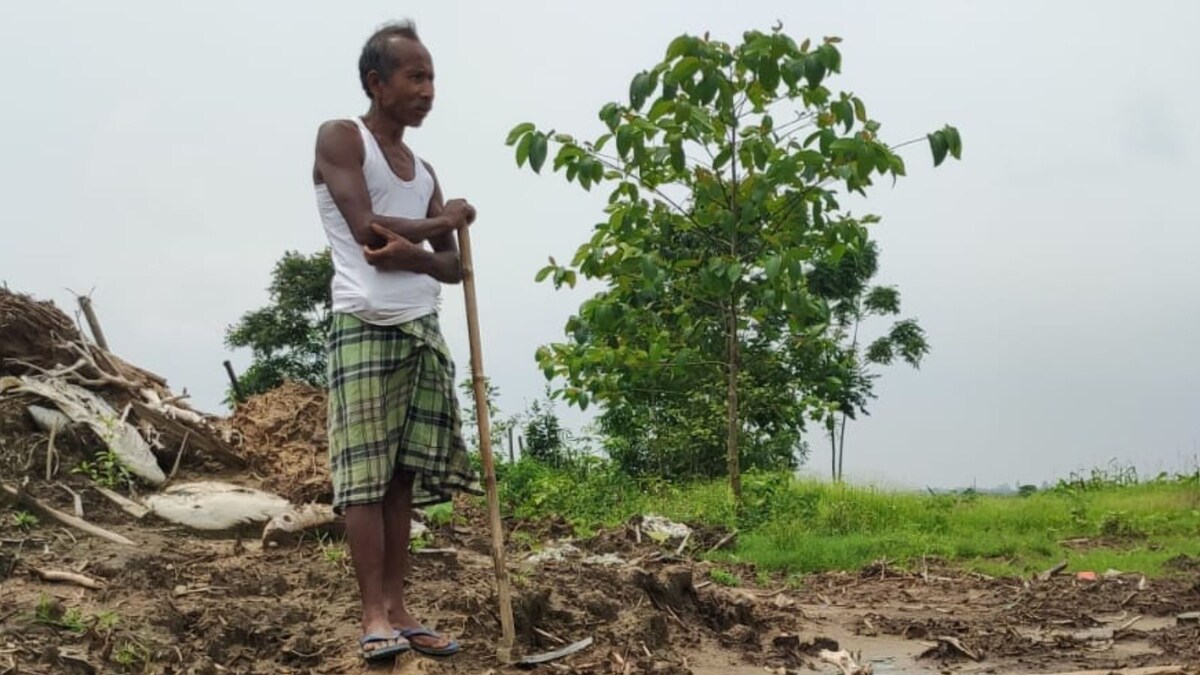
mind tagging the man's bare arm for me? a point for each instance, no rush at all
(397, 253)
(339, 159)
(447, 266)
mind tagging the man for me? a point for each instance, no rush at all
(394, 430)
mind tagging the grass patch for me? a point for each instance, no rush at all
(797, 526)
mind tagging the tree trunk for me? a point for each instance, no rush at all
(832, 454)
(841, 448)
(731, 441)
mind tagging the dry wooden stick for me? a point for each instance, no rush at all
(76, 498)
(69, 577)
(683, 544)
(724, 540)
(179, 456)
(51, 453)
(503, 592)
(127, 505)
(85, 303)
(77, 523)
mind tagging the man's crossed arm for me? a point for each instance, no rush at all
(389, 243)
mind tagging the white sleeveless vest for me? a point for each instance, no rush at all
(380, 298)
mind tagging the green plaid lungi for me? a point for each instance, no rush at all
(392, 407)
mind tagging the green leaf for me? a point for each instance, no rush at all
(679, 46)
(954, 141)
(722, 158)
(543, 273)
(537, 152)
(814, 71)
(610, 114)
(793, 70)
(734, 271)
(625, 136)
(649, 269)
(830, 57)
(685, 69)
(661, 107)
(518, 131)
(768, 75)
(678, 159)
(860, 110)
(602, 141)
(772, 267)
(523, 149)
(639, 89)
(866, 161)
(937, 143)
(837, 253)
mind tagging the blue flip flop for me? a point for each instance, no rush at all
(410, 633)
(381, 653)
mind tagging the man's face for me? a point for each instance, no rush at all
(407, 95)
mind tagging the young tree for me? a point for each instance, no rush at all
(287, 337)
(846, 286)
(727, 163)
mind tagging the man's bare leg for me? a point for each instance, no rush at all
(397, 519)
(365, 535)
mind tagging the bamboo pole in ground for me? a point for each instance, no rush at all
(508, 630)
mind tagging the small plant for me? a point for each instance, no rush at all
(24, 520)
(525, 539)
(1118, 524)
(50, 612)
(130, 654)
(419, 543)
(723, 578)
(334, 553)
(106, 470)
(440, 515)
(105, 621)
(762, 579)
(73, 621)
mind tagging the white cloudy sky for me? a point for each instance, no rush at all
(160, 152)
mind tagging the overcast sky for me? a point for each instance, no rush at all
(161, 153)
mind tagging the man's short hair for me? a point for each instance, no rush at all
(376, 54)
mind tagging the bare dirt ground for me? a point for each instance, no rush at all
(181, 603)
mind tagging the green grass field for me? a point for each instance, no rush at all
(790, 525)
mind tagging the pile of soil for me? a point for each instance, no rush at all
(33, 332)
(282, 434)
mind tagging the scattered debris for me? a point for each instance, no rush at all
(78, 523)
(84, 407)
(845, 662)
(1057, 569)
(554, 552)
(566, 651)
(213, 505)
(662, 529)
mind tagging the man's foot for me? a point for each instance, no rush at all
(381, 645)
(422, 639)
(428, 642)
